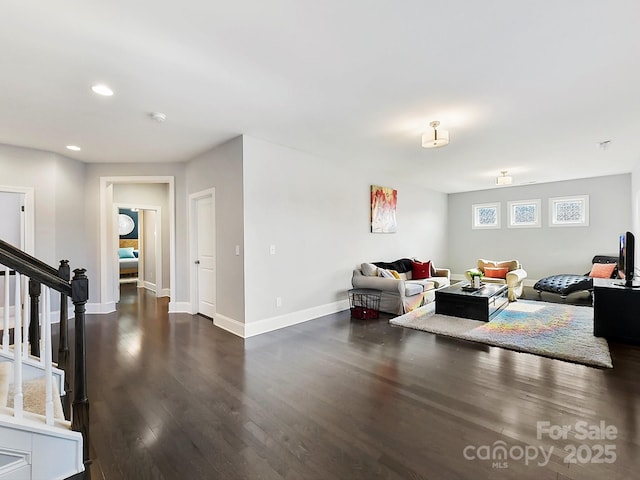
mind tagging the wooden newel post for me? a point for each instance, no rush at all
(80, 420)
(34, 322)
(64, 272)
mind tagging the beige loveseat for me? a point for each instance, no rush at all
(514, 277)
(399, 295)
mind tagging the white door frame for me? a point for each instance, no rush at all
(109, 289)
(193, 246)
(27, 219)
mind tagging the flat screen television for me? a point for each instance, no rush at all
(626, 260)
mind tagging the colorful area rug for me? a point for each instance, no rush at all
(553, 330)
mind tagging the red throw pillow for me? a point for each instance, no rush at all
(602, 270)
(420, 270)
(496, 272)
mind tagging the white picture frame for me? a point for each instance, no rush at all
(524, 213)
(569, 211)
(485, 216)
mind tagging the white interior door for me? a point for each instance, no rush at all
(11, 213)
(205, 256)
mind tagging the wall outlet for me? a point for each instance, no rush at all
(272, 249)
(237, 249)
(278, 301)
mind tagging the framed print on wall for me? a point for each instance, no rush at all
(485, 215)
(524, 214)
(569, 211)
(384, 201)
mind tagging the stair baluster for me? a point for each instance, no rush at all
(80, 420)
(63, 340)
(26, 319)
(48, 373)
(34, 329)
(5, 332)
(17, 351)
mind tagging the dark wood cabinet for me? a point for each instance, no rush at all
(616, 311)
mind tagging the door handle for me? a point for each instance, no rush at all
(197, 262)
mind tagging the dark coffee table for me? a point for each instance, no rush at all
(482, 304)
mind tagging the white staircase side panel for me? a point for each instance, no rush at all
(41, 452)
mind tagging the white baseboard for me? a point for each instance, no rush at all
(180, 307)
(229, 324)
(246, 330)
(101, 308)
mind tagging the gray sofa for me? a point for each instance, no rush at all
(399, 295)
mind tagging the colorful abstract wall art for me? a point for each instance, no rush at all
(384, 201)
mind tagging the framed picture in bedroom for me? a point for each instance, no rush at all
(384, 201)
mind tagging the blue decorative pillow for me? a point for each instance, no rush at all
(126, 252)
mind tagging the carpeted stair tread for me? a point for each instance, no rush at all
(33, 394)
(5, 380)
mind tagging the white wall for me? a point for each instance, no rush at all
(59, 188)
(222, 168)
(317, 215)
(547, 250)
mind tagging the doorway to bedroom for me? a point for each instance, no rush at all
(140, 246)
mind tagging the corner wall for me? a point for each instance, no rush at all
(316, 214)
(222, 168)
(546, 250)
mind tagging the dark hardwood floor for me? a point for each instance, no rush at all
(173, 397)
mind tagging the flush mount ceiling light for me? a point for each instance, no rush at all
(158, 116)
(101, 89)
(75, 148)
(504, 179)
(434, 137)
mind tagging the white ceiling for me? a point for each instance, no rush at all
(528, 87)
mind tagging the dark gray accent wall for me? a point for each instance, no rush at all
(546, 250)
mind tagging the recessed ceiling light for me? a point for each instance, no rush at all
(75, 148)
(102, 89)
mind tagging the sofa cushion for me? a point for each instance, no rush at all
(420, 270)
(369, 270)
(386, 273)
(496, 272)
(411, 289)
(510, 264)
(602, 270)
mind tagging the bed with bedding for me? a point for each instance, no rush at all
(128, 257)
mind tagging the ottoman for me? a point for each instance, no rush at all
(564, 284)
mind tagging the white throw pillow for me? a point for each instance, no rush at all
(369, 270)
